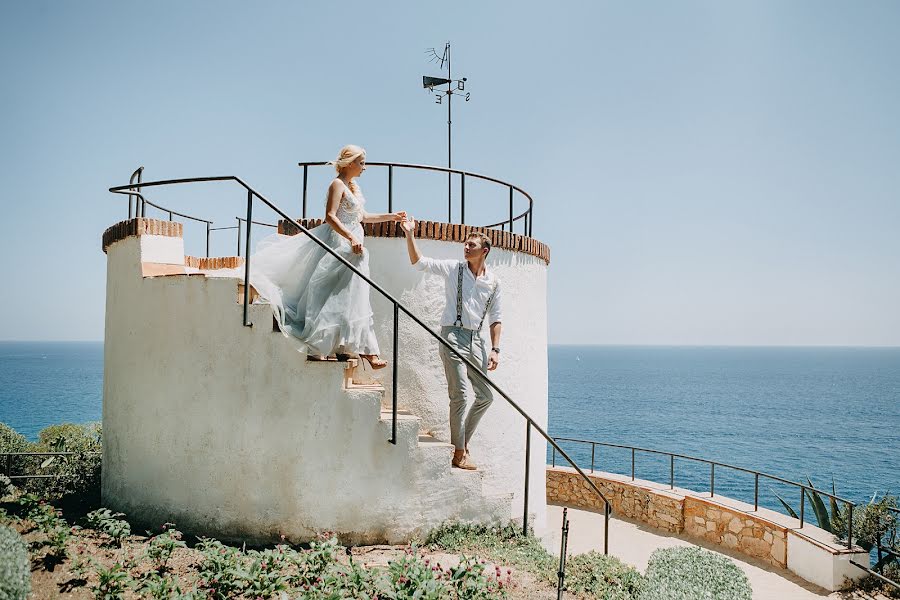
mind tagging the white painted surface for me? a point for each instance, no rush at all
(818, 565)
(228, 431)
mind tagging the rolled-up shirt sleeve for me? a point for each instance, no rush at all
(495, 312)
(436, 266)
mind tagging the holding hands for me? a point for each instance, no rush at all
(408, 224)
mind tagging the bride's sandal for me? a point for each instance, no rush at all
(374, 362)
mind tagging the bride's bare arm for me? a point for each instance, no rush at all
(378, 218)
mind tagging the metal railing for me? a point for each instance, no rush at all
(7, 460)
(712, 477)
(885, 555)
(509, 222)
(398, 307)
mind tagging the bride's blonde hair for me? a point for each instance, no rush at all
(347, 155)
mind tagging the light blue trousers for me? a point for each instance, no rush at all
(470, 344)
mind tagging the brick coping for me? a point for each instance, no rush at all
(436, 230)
(139, 226)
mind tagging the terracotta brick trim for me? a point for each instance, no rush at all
(140, 226)
(211, 263)
(435, 230)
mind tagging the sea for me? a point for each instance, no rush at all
(826, 415)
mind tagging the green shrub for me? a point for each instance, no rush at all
(13, 441)
(691, 573)
(112, 582)
(162, 546)
(15, 568)
(6, 486)
(603, 577)
(79, 474)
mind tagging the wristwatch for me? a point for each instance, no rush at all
(497, 350)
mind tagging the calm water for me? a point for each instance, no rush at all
(793, 412)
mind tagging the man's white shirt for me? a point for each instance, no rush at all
(475, 291)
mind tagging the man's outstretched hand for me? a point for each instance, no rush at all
(408, 224)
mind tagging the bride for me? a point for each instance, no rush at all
(314, 297)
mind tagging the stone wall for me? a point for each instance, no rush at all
(735, 529)
(658, 508)
(675, 511)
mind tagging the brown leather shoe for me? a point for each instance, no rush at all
(461, 461)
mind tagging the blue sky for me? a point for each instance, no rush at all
(704, 172)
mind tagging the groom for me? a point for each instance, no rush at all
(472, 296)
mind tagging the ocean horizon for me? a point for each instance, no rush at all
(822, 412)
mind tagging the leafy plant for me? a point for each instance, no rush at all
(220, 569)
(158, 586)
(112, 582)
(15, 568)
(411, 577)
(109, 523)
(688, 573)
(470, 580)
(6, 486)
(161, 546)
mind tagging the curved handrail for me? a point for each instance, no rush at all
(527, 214)
(398, 306)
(757, 474)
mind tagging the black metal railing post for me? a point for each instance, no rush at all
(238, 219)
(510, 209)
(712, 479)
(756, 492)
(553, 457)
(672, 471)
(593, 446)
(527, 475)
(561, 574)
(394, 382)
(247, 323)
(462, 198)
(305, 179)
(606, 528)
(391, 188)
(632, 464)
(850, 526)
(802, 505)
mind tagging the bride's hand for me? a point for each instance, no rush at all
(408, 225)
(356, 246)
(398, 216)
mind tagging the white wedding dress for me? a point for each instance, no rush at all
(314, 297)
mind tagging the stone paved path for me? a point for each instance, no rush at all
(633, 543)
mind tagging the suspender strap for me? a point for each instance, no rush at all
(459, 302)
(459, 308)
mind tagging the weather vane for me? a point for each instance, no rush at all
(454, 86)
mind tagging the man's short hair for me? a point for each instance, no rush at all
(485, 240)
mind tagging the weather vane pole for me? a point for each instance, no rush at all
(453, 86)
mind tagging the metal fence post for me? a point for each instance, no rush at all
(712, 479)
(632, 464)
(207, 239)
(305, 175)
(850, 528)
(510, 209)
(802, 505)
(606, 527)
(527, 475)
(247, 323)
(561, 574)
(394, 376)
(390, 188)
(593, 446)
(672, 471)
(462, 198)
(756, 492)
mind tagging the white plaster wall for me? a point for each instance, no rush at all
(498, 447)
(819, 566)
(228, 431)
